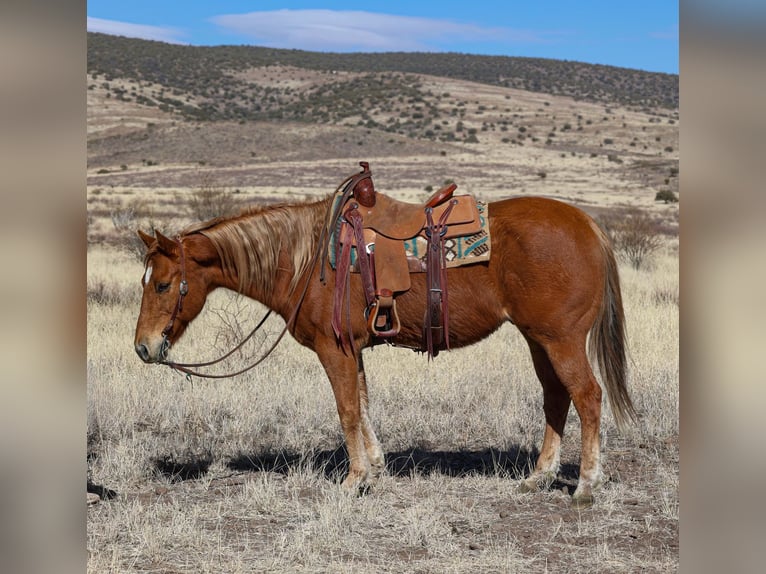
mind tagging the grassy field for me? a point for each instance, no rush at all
(241, 475)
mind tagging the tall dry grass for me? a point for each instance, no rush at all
(240, 475)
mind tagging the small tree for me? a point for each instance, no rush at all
(210, 200)
(635, 236)
(126, 220)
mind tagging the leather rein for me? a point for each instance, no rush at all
(189, 368)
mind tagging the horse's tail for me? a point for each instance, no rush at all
(607, 344)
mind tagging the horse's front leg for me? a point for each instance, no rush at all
(371, 444)
(343, 372)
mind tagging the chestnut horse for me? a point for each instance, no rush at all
(552, 273)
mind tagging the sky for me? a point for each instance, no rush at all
(631, 34)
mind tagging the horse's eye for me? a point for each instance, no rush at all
(162, 287)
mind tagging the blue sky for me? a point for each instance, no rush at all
(631, 34)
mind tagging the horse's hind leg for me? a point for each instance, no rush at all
(570, 362)
(371, 444)
(556, 401)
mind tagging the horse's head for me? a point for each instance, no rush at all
(176, 282)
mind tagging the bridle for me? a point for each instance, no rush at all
(187, 368)
(183, 289)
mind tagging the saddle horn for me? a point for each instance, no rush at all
(364, 190)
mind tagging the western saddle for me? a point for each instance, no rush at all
(377, 226)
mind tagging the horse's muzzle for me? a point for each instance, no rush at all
(153, 355)
(143, 352)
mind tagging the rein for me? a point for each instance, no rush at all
(189, 368)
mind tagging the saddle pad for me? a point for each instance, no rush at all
(459, 251)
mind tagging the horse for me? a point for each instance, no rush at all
(552, 273)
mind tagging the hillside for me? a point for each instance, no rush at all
(269, 124)
(211, 78)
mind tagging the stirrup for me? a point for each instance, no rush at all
(382, 318)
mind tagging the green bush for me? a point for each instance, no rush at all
(666, 195)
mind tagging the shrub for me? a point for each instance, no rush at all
(634, 234)
(123, 218)
(666, 195)
(666, 296)
(126, 219)
(210, 200)
(109, 294)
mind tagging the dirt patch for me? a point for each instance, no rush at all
(467, 498)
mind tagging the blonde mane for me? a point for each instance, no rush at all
(249, 243)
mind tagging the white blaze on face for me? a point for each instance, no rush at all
(148, 274)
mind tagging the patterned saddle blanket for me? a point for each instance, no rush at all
(459, 251)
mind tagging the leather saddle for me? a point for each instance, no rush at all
(377, 226)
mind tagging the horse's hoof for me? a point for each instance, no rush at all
(364, 489)
(376, 471)
(537, 482)
(528, 486)
(582, 501)
(355, 482)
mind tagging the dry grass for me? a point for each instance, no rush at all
(241, 475)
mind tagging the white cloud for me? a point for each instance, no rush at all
(330, 30)
(162, 34)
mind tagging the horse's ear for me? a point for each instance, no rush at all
(201, 249)
(167, 245)
(146, 238)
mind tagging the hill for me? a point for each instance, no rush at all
(213, 78)
(168, 120)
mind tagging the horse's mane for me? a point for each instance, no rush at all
(250, 242)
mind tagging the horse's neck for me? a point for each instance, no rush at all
(278, 298)
(283, 292)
